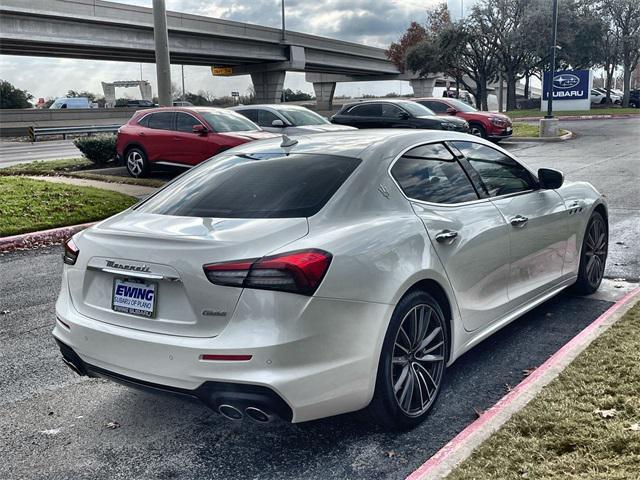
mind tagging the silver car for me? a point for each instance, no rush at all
(288, 119)
(309, 277)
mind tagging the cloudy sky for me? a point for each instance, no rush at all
(371, 22)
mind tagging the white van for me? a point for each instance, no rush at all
(75, 102)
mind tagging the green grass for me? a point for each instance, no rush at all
(563, 434)
(522, 129)
(74, 167)
(30, 205)
(535, 112)
(48, 167)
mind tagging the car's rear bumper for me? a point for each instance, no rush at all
(320, 363)
(212, 394)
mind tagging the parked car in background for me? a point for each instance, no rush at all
(181, 136)
(135, 104)
(395, 114)
(634, 98)
(180, 103)
(288, 119)
(72, 102)
(600, 97)
(613, 96)
(494, 126)
(310, 278)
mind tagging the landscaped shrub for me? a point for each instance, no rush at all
(100, 149)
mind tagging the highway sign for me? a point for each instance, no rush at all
(221, 71)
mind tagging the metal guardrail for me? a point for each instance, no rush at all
(35, 132)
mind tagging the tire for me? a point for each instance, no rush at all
(477, 130)
(633, 104)
(136, 162)
(417, 378)
(593, 255)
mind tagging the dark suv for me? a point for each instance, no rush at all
(395, 114)
(634, 98)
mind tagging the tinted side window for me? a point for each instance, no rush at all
(431, 174)
(500, 174)
(161, 121)
(389, 110)
(144, 121)
(437, 107)
(250, 114)
(185, 122)
(266, 118)
(371, 110)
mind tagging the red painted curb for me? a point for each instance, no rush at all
(457, 442)
(28, 240)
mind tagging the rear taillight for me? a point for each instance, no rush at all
(297, 272)
(71, 252)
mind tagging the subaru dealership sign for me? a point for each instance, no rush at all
(571, 90)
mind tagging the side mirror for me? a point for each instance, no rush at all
(277, 123)
(550, 178)
(200, 129)
(451, 111)
(404, 115)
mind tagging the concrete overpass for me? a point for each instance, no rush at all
(100, 30)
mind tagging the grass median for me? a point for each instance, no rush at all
(523, 130)
(29, 205)
(535, 112)
(584, 425)
(75, 168)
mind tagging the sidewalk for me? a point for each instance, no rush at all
(132, 190)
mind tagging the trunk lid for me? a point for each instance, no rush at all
(169, 252)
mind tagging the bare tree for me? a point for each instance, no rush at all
(625, 16)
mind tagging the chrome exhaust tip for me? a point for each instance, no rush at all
(258, 415)
(230, 412)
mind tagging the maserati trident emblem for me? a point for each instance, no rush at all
(383, 190)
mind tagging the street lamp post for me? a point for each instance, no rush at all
(554, 34)
(284, 36)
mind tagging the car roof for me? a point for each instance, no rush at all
(365, 144)
(377, 100)
(274, 106)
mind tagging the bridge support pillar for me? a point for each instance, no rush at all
(324, 95)
(423, 87)
(268, 86)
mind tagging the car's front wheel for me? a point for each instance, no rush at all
(594, 255)
(136, 162)
(477, 130)
(412, 363)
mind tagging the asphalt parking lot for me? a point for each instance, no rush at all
(55, 425)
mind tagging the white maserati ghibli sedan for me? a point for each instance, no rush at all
(304, 278)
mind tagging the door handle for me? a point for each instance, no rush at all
(141, 134)
(519, 221)
(446, 236)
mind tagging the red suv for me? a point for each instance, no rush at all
(494, 126)
(181, 136)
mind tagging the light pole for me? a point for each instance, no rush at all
(554, 34)
(182, 82)
(163, 65)
(284, 36)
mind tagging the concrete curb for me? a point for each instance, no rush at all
(43, 237)
(581, 117)
(463, 445)
(561, 138)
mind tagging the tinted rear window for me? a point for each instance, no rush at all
(255, 186)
